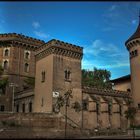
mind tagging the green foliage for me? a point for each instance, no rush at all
(76, 105)
(1, 70)
(130, 113)
(96, 78)
(3, 83)
(61, 100)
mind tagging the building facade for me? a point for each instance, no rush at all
(58, 70)
(18, 61)
(56, 66)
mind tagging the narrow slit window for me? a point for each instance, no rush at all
(43, 76)
(30, 107)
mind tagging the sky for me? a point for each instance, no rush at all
(101, 28)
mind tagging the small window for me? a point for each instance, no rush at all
(133, 53)
(43, 76)
(138, 106)
(27, 54)
(23, 107)
(67, 74)
(30, 107)
(85, 105)
(128, 89)
(2, 108)
(26, 67)
(17, 108)
(136, 52)
(5, 65)
(6, 52)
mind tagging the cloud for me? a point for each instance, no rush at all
(41, 34)
(97, 47)
(113, 7)
(89, 64)
(36, 25)
(104, 55)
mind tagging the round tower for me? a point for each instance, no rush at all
(133, 46)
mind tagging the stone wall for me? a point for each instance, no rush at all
(31, 120)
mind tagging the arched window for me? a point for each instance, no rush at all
(6, 52)
(26, 67)
(136, 52)
(5, 65)
(27, 55)
(67, 74)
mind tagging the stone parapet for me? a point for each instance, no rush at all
(59, 47)
(106, 92)
(21, 39)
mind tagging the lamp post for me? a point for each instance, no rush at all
(67, 96)
(13, 85)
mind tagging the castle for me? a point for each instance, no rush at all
(56, 66)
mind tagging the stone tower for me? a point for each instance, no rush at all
(58, 69)
(18, 61)
(133, 46)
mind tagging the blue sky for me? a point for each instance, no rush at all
(101, 28)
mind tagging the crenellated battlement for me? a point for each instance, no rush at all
(21, 39)
(106, 92)
(61, 48)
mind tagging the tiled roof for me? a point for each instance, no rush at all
(135, 35)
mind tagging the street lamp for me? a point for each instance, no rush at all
(13, 85)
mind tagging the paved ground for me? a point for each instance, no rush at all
(114, 137)
(51, 133)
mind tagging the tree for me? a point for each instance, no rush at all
(96, 78)
(130, 114)
(3, 81)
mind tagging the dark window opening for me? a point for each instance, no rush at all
(26, 67)
(30, 107)
(23, 107)
(85, 105)
(2, 108)
(6, 53)
(27, 55)
(120, 109)
(128, 90)
(5, 65)
(17, 108)
(138, 106)
(136, 52)
(43, 76)
(67, 75)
